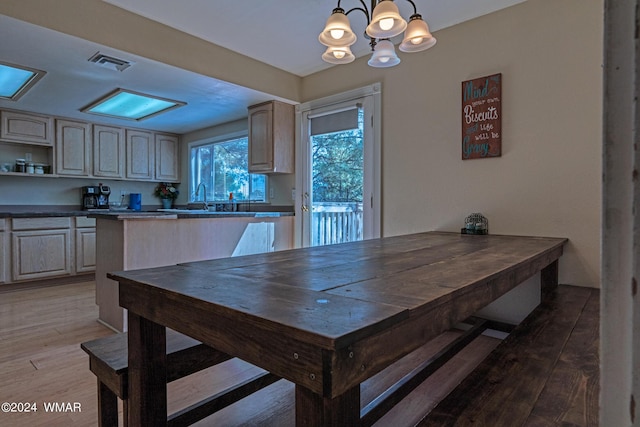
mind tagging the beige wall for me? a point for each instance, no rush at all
(548, 180)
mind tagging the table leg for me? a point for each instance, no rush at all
(549, 279)
(313, 410)
(147, 372)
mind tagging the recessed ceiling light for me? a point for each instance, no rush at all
(129, 105)
(16, 80)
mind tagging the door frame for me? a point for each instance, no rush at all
(373, 191)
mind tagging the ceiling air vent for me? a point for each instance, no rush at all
(110, 62)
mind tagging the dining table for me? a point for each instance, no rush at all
(326, 318)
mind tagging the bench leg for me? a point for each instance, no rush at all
(107, 407)
(313, 410)
(549, 279)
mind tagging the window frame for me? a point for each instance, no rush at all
(219, 139)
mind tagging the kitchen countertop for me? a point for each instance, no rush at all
(120, 215)
(31, 211)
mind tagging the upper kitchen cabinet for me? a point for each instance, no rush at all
(108, 151)
(73, 148)
(152, 156)
(166, 158)
(26, 128)
(140, 155)
(271, 137)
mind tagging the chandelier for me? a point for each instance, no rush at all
(383, 22)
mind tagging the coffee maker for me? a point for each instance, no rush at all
(95, 197)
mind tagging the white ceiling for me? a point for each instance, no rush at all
(282, 33)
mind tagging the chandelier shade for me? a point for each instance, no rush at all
(417, 37)
(383, 22)
(337, 31)
(338, 55)
(384, 56)
(386, 21)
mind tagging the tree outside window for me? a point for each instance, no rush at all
(223, 167)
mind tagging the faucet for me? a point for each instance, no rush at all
(204, 203)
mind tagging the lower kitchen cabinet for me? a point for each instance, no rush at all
(39, 254)
(85, 245)
(46, 247)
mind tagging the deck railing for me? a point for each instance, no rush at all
(336, 223)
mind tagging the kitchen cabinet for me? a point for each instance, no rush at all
(152, 156)
(140, 155)
(24, 135)
(73, 148)
(166, 158)
(85, 244)
(26, 128)
(108, 151)
(82, 149)
(40, 248)
(271, 137)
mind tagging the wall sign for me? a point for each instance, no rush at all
(482, 117)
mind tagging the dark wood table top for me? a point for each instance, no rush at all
(337, 298)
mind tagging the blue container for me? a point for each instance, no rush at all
(135, 201)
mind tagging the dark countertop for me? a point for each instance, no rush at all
(32, 211)
(120, 215)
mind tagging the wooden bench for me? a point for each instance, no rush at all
(108, 360)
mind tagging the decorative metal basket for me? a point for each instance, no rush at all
(476, 223)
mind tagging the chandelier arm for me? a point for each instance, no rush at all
(414, 6)
(362, 9)
(367, 14)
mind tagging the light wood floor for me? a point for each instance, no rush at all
(41, 361)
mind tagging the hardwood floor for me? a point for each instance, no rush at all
(40, 357)
(546, 373)
(41, 361)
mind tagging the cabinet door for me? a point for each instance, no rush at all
(26, 128)
(140, 155)
(41, 253)
(167, 150)
(108, 151)
(73, 148)
(271, 137)
(260, 138)
(85, 250)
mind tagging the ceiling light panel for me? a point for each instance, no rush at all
(129, 105)
(16, 80)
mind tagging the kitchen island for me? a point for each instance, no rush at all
(132, 240)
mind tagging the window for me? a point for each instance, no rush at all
(222, 167)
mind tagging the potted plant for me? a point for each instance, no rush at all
(167, 193)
